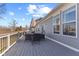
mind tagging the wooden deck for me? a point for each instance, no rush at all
(44, 48)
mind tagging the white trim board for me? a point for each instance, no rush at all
(7, 49)
(70, 47)
(20, 36)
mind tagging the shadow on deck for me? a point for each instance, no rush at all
(44, 48)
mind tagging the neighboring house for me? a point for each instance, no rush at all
(61, 24)
(32, 25)
(37, 27)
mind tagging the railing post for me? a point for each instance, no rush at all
(8, 40)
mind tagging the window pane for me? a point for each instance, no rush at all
(70, 16)
(57, 24)
(69, 29)
(69, 24)
(56, 29)
(56, 20)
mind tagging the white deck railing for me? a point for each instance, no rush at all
(8, 41)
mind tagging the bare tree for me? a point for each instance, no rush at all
(27, 27)
(13, 25)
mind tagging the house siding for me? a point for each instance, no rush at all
(48, 27)
(65, 39)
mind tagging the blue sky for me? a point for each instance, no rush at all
(24, 12)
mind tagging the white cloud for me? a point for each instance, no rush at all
(31, 8)
(5, 17)
(23, 19)
(45, 10)
(27, 14)
(36, 15)
(38, 10)
(19, 8)
(11, 13)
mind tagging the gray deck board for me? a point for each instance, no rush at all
(44, 48)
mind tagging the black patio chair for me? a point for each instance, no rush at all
(37, 37)
(28, 36)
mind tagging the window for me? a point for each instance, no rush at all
(56, 24)
(69, 24)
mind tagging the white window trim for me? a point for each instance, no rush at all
(67, 22)
(68, 11)
(57, 16)
(54, 18)
(72, 21)
(76, 21)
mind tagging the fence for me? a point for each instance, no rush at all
(7, 41)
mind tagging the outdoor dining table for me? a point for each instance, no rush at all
(34, 36)
(28, 36)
